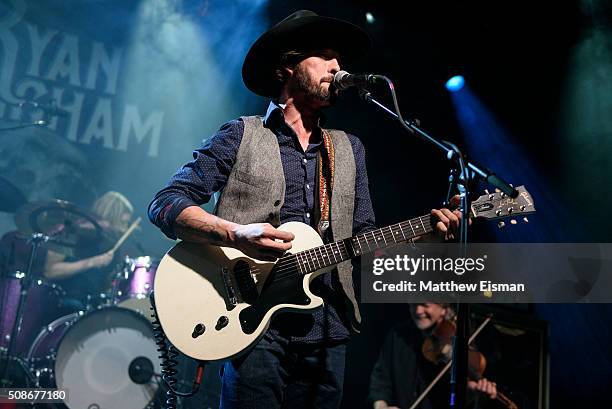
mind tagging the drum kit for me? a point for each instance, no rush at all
(104, 355)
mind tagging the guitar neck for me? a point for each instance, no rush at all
(331, 254)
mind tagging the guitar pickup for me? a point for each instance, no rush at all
(228, 283)
(245, 282)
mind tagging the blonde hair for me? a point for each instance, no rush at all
(111, 206)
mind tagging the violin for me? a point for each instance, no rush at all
(437, 348)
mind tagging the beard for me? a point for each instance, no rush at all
(312, 88)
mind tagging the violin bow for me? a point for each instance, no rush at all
(448, 364)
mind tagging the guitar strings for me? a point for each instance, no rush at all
(291, 264)
(291, 268)
(288, 270)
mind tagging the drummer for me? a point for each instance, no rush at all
(86, 272)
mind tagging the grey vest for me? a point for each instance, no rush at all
(255, 192)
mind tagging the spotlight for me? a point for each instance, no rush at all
(370, 18)
(455, 83)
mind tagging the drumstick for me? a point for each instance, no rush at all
(126, 234)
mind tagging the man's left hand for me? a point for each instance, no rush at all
(484, 386)
(447, 224)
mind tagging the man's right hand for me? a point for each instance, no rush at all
(102, 260)
(259, 240)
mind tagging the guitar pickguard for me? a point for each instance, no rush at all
(285, 291)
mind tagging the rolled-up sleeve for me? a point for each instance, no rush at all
(196, 182)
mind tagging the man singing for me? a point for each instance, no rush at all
(279, 168)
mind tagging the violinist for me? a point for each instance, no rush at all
(402, 371)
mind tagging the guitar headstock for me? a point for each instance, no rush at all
(498, 205)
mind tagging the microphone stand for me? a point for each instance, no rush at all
(35, 240)
(462, 173)
(40, 123)
(44, 122)
(475, 170)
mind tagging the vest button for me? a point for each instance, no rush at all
(277, 203)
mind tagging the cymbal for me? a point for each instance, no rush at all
(11, 197)
(69, 225)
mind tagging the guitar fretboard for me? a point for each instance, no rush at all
(314, 259)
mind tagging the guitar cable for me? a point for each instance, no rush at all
(167, 356)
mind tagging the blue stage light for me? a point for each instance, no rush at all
(455, 83)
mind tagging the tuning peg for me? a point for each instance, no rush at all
(513, 221)
(522, 207)
(497, 190)
(501, 225)
(525, 219)
(491, 196)
(510, 209)
(498, 212)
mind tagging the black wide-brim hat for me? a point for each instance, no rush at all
(302, 31)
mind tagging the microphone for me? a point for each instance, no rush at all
(52, 110)
(343, 80)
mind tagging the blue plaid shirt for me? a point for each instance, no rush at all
(196, 182)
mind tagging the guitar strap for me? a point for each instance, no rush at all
(325, 181)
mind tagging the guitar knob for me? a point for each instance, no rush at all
(198, 330)
(222, 323)
(501, 225)
(525, 219)
(513, 221)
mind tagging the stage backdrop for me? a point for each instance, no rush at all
(138, 85)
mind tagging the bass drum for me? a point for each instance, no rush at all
(106, 359)
(17, 374)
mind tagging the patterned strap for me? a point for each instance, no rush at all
(326, 180)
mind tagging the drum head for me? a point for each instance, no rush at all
(140, 305)
(108, 360)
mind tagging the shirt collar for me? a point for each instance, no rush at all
(275, 116)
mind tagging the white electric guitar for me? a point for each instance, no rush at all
(214, 302)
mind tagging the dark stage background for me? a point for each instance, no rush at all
(146, 81)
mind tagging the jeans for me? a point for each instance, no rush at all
(279, 374)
